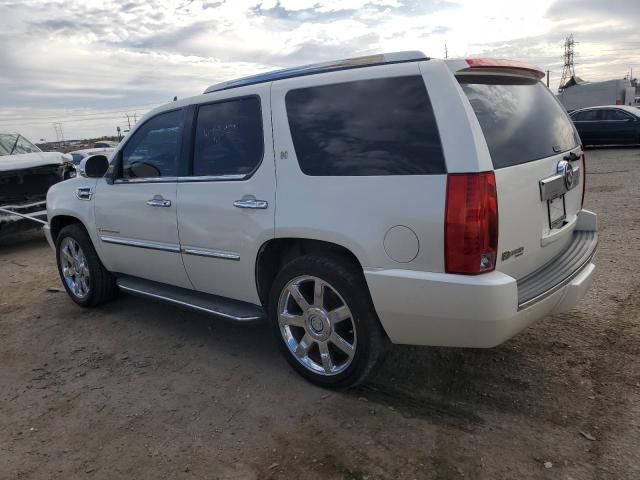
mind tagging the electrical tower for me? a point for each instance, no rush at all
(57, 126)
(568, 70)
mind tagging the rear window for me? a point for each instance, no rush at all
(365, 128)
(520, 119)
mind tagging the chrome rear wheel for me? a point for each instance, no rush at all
(317, 325)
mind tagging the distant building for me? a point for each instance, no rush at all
(577, 93)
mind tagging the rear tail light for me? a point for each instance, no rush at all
(584, 178)
(471, 223)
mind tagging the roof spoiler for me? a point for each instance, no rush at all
(495, 66)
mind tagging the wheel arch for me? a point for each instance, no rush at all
(57, 223)
(277, 252)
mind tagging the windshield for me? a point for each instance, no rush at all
(15, 144)
(520, 119)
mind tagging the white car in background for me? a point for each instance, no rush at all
(353, 204)
(26, 173)
(79, 155)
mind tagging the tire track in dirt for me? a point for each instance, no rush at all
(612, 372)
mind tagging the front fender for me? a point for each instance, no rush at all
(63, 201)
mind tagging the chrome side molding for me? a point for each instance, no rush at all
(170, 247)
(164, 247)
(201, 252)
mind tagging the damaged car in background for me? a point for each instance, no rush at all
(26, 173)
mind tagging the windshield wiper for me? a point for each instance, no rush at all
(15, 144)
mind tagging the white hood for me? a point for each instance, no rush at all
(30, 160)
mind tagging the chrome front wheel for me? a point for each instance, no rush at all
(75, 268)
(317, 325)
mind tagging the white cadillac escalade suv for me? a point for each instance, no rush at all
(353, 204)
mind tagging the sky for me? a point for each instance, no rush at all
(88, 64)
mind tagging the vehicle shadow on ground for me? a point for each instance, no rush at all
(20, 241)
(454, 386)
(457, 384)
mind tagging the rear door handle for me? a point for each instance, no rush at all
(159, 202)
(251, 202)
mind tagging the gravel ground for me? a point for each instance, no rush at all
(138, 389)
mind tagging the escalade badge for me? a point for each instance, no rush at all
(516, 252)
(565, 170)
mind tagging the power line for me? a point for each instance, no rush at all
(121, 110)
(66, 122)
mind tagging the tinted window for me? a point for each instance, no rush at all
(586, 116)
(229, 138)
(77, 158)
(615, 115)
(153, 149)
(369, 127)
(520, 119)
(15, 144)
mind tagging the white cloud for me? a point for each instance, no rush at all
(67, 59)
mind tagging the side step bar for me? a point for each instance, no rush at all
(226, 308)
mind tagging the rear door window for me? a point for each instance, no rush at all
(229, 139)
(371, 127)
(520, 119)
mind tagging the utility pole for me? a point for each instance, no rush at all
(547, 78)
(568, 69)
(129, 121)
(57, 126)
(135, 118)
(446, 51)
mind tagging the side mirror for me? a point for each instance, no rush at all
(94, 166)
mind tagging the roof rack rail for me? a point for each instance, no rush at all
(345, 64)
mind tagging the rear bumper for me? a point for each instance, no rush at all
(423, 308)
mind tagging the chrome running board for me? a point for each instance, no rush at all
(226, 308)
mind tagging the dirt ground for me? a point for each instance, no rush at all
(138, 389)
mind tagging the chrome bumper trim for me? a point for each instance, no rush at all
(560, 271)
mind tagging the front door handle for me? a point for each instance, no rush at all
(159, 202)
(251, 202)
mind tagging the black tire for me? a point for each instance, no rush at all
(102, 284)
(347, 279)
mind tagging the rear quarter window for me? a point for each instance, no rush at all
(367, 127)
(520, 119)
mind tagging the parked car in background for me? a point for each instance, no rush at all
(353, 204)
(79, 155)
(26, 173)
(105, 144)
(608, 125)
